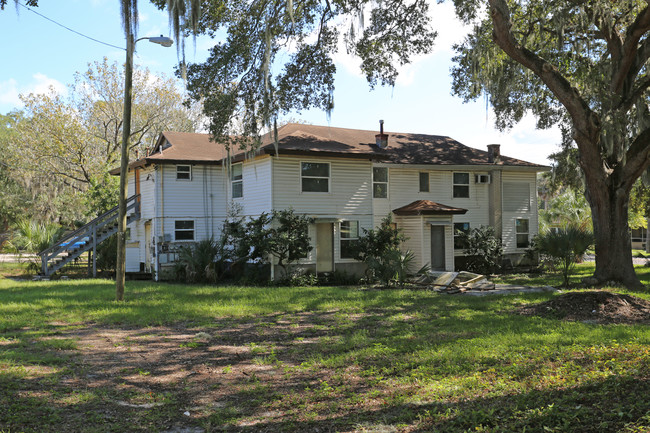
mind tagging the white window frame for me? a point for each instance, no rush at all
(239, 180)
(521, 233)
(376, 182)
(464, 185)
(184, 230)
(343, 238)
(428, 185)
(329, 177)
(188, 172)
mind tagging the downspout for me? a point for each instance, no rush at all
(162, 221)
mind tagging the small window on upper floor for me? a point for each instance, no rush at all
(424, 181)
(183, 172)
(380, 182)
(461, 185)
(315, 176)
(237, 181)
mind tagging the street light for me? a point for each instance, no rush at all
(120, 268)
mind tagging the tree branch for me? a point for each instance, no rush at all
(627, 58)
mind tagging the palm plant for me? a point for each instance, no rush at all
(566, 245)
(32, 237)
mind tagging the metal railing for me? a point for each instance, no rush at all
(85, 238)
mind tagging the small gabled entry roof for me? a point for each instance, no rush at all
(428, 207)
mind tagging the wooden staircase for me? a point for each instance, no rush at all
(86, 238)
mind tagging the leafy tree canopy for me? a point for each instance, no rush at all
(581, 65)
(60, 148)
(276, 56)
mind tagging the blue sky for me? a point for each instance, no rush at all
(42, 54)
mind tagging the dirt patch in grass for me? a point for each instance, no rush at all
(235, 376)
(599, 306)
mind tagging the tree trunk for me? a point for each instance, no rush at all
(609, 209)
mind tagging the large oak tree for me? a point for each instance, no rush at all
(582, 65)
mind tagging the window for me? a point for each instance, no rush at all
(380, 182)
(521, 229)
(183, 172)
(349, 237)
(459, 228)
(184, 230)
(424, 182)
(461, 185)
(236, 181)
(315, 176)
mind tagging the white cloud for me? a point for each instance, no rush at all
(523, 141)
(40, 84)
(9, 92)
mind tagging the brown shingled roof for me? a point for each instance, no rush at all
(427, 207)
(187, 147)
(295, 138)
(402, 148)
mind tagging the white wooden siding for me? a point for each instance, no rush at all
(350, 188)
(509, 217)
(256, 178)
(404, 188)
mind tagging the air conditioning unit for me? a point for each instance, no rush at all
(165, 238)
(482, 178)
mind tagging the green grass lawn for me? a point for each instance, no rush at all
(324, 359)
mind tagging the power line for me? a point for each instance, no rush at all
(69, 29)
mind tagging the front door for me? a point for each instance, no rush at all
(438, 248)
(324, 247)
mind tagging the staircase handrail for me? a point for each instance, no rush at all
(131, 202)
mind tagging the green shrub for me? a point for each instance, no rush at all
(33, 237)
(379, 250)
(202, 262)
(483, 250)
(566, 246)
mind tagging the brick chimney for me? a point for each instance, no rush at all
(494, 153)
(381, 139)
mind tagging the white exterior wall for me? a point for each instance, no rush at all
(257, 192)
(201, 199)
(349, 196)
(509, 217)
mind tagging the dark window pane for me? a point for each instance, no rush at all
(380, 190)
(350, 229)
(237, 189)
(183, 172)
(459, 243)
(424, 182)
(315, 185)
(522, 226)
(185, 235)
(348, 249)
(184, 225)
(236, 172)
(380, 174)
(461, 191)
(522, 241)
(461, 178)
(321, 169)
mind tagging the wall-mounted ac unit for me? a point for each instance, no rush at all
(165, 238)
(482, 178)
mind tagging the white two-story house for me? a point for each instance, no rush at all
(346, 180)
